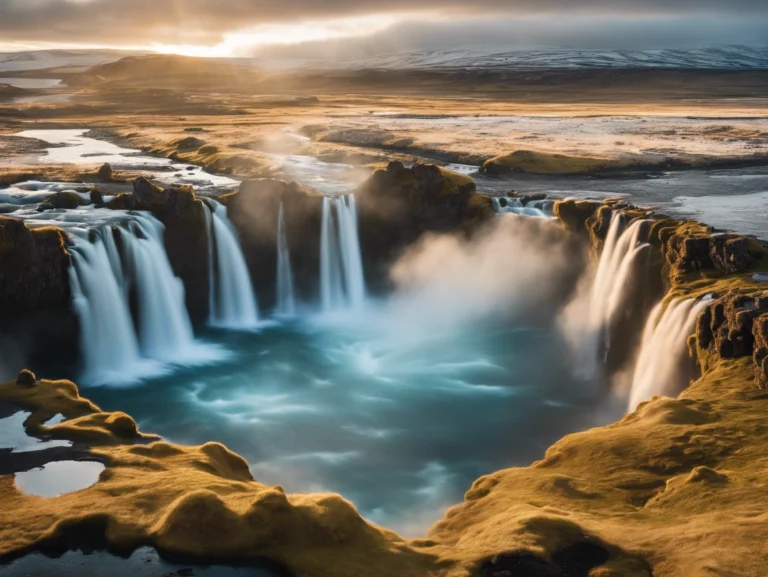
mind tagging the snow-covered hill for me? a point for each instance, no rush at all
(726, 57)
(43, 59)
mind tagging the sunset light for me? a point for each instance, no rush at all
(244, 41)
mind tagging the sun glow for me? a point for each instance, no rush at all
(241, 42)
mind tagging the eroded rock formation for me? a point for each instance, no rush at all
(186, 235)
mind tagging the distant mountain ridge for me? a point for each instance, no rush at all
(470, 59)
(724, 57)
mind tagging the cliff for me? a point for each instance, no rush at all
(675, 489)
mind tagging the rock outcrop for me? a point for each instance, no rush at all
(395, 207)
(33, 268)
(398, 205)
(186, 235)
(254, 212)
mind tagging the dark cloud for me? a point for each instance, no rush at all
(138, 22)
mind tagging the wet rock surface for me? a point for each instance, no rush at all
(33, 268)
(398, 205)
(186, 235)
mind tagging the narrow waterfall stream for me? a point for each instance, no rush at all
(232, 300)
(661, 365)
(342, 282)
(622, 252)
(109, 342)
(286, 300)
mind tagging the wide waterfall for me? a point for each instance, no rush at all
(105, 280)
(165, 331)
(661, 367)
(342, 282)
(286, 300)
(622, 253)
(232, 301)
(109, 342)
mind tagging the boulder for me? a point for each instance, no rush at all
(26, 378)
(97, 199)
(105, 172)
(66, 200)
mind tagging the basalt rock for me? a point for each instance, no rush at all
(398, 205)
(97, 199)
(254, 212)
(727, 326)
(65, 200)
(105, 172)
(760, 355)
(186, 235)
(724, 253)
(33, 268)
(395, 207)
(26, 378)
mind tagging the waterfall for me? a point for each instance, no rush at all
(537, 208)
(350, 250)
(109, 344)
(286, 302)
(232, 300)
(165, 331)
(342, 282)
(661, 365)
(622, 253)
(106, 280)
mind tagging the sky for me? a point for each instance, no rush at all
(339, 28)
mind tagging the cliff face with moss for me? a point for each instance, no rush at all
(675, 489)
(691, 260)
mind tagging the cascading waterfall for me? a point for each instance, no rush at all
(536, 208)
(351, 257)
(109, 343)
(286, 301)
(105, 279)
(622, 253)
(661, 365)
(232, 301)
(165, 331)
(342, 282)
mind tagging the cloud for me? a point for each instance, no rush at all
(144, 22)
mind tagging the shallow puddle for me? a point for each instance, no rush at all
(58, 478)
(144, 562)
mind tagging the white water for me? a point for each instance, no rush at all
(515, 206)
(622, 253)
(102, 280)
(342, 282)
(165, 331)
(233, 303)
(109, 344)
(286, 301)
(660, 368)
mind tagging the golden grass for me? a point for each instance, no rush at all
(538, 162)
